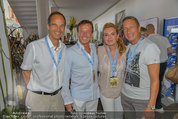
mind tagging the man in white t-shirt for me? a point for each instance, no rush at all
(142, 73)
(165, 48)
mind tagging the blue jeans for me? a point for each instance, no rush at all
(161, 76)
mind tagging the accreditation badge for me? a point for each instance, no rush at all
(93, 75)
(113, 81)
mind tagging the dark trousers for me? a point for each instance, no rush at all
(161, 76)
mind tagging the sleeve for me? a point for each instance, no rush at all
(167, 42)
(152, 54)
(28, 57)
(101, 57)
(99, 61)
(66, 94)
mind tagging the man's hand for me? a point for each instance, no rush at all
(69, 107)
(149, 113)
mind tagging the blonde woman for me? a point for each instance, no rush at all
(112, 63)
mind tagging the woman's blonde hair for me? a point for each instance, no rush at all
(121, 45)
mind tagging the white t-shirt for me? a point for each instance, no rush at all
(137, 82)
(162, 43)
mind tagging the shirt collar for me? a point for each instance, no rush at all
(51, 44)
(82, 45)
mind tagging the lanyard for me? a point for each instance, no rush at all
(112, 63)
(85, 54)
(52, 56)
(130, 56)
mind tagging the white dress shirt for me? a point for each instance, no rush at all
(44, 76)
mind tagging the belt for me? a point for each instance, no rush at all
(45, 93)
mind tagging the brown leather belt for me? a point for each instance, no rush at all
(45, 93)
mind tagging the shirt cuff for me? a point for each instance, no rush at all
(68, 103)
(25, 67)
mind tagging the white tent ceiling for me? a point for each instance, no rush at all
(25, 10)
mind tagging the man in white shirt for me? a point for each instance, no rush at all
(43, 68)
(165, 48)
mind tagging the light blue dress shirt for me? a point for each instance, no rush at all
(79, 70)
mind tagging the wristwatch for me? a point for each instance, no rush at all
(151, 107)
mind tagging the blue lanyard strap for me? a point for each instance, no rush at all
(52, 56)
(85, 54)
(130, 56)
(115, 58)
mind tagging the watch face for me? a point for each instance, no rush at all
(151, 106)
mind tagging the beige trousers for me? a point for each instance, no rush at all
(38, 102)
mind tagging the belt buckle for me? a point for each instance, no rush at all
(54, 93)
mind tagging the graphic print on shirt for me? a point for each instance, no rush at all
(133, 72)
